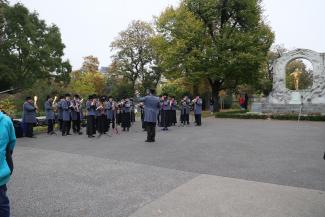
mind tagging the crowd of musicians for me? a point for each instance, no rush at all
(102, 113)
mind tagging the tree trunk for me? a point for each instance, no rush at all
(215, 96)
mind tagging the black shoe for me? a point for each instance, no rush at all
(69, 134)
(89, 136)
(80, 133)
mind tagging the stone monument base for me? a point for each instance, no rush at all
(293, 108)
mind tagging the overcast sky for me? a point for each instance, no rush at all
(88, 27)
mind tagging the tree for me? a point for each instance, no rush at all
(86, 83)
(135, 57)
(90, 64)
(226, 46)
(30, 49)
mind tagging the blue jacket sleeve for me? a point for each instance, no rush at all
(12, 136)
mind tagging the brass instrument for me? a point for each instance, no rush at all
(35, 102)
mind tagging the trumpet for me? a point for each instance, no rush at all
(35, 102)
(55, 99)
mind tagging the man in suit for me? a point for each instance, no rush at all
(151, 107)
(66, 107)
(29, 116)
(50, 117)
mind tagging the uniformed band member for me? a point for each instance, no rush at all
(50, 117)
(66, 115)
(151, 107)
(173, 108)
(76, 114)
(164, 113)
(101, 116)
(197, 110)
(185, 108)
(29, 116)
(141, 107)
(132, 110)
(91, 114)
(60, 112)
(126, 114)
(109, 111)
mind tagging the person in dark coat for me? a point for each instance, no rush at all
(151, 107)
(246, 101)
(66, 115)
(50, 117)
(141, 107)
(132, 110)
(29, 116)
(91, 116)
(198, 110)
(76, 114)
(126, 114)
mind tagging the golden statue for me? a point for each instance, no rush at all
(296, 77)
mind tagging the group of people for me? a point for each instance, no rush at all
(101, 113)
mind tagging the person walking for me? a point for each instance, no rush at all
(7, 145)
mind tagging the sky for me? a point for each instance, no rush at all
(89, 27)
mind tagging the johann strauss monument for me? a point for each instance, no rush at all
(284, 100)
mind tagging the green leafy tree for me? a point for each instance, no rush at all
(135, 58)
(30, 49)
(223, 41)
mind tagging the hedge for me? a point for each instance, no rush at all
(245, 115)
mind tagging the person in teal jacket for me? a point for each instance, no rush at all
(7, 139)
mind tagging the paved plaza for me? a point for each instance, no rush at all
(226, 168)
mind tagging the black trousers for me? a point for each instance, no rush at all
(91, 130)
(66, 126)
(50, 124)
(29, 130)
(60, 124)
(198, 120)
(76, 124)
(126, 120)
(101, 124)
(151, 131)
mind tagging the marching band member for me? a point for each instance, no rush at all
(173, 108)
(50, 117)
(109, 111)
(185, 111)
(60, 112)
(165, 107)
(126, 114)
(197, 110)
(66, 107)
(29, 116)
(76, 114)
(100, 112)
(91, 113)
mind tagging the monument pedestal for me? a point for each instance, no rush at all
(296, 98)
